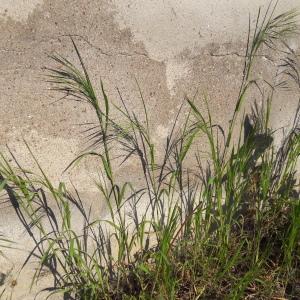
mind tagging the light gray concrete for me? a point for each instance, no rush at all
(173, 47)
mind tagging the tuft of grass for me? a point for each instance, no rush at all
(227, 229)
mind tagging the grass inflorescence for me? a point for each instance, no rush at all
(227, 228)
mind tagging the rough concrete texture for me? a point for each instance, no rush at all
(172, 47)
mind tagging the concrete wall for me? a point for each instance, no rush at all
(173, 47)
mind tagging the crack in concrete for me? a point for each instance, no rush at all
(107, 53)
(86, 40)
(226, 54)
(263, 56)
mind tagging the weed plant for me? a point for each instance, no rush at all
(226, 229)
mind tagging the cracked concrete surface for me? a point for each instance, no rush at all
(174, 48)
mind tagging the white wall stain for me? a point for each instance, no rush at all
(175, 69)
(169, 27)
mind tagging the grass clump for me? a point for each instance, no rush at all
(226, 229)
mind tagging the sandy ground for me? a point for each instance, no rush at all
(173, 47)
